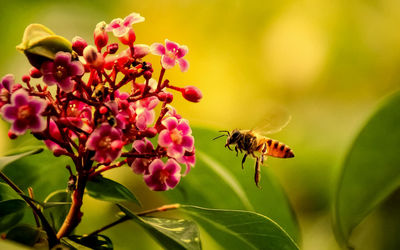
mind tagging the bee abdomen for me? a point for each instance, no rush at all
(278, 149)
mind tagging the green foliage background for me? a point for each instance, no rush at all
(327, 62)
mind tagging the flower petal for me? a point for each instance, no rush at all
(170, 123)
(171, 46)
(184, 127)
(183, 64)
(114, 24)
(187, 142)
(19, 127)
(62, 58)
(164, 139)
(38, 124)
(66, 84)
(168, 62)
(139, 146)
(38, 105)
(76, 68)
(157, 49)
(9, 112)
(132, 18)
(8, 82)
(19, 98)
(182, 51)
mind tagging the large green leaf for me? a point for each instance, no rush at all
(57, 214)
(235, 229)
(100, 242)
(371, 170)
(24, 234)
(5, 160)
(12, 207)
(170, 233)
(218, 174)
(108, 190)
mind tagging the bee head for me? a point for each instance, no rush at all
(233, 137)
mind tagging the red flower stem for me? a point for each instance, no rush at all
(174, 88)
(74, 215)
(125, 218)
(119, 164)
(52, 239)
(160, 79)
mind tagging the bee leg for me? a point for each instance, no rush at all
(227, 146)
(243, 160)
(257, 172)
(236, 149)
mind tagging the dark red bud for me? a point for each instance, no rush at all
(147, 75)
(82, 137)
(16, 87)
(11, 135)
(192, 94)
(78, 45)
(129, 38)
(112, 48)
(58, 152)
(165, 97)
(150, 132)
(35, 73)
(26, 78)
(103, 110)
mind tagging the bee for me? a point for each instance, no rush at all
(257, 146)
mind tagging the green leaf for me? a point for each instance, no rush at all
(39, 44)
(108, 190)
(24, 234)
(371, 170)
(218, 173)
(99, 241)
(170, 233)
(11, 212)
(235, 229)
(5, 160)
(12, 207)
(56, 214)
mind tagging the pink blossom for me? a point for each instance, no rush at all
(55, 133)
(188, 159)
(106, 142)
(24, 112)
(6, 87)
(61, 70)
(171, 54)
(162, 176)
(176, 137)
(140, 165)
(120, 27)
(80, 115)
(145, 111)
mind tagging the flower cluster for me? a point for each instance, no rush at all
(97, 104)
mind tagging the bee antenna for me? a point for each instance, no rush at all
(219, 136)
(222, 131)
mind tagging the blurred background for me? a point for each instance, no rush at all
(327, 62)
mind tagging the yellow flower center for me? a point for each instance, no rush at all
(24, 112)
(164, 174)
(176, 136)
(105, 143)
(60, 73)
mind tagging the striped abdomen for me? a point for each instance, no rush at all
(278, 149)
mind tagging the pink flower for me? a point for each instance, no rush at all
(61, 70)
(162, 176)
(140, 165)
(176, 137)
(80, 115)
(120, 27)
(171, 54)
(188, 159)
(6, 87)
(144, 111)
(106, 142)
(55, 133)
(24, 112)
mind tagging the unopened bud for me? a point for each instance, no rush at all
(100, 35)
(141, 50)
(112, 48)
(93, 57)
(58, 152)
(150, 132)
(82, 137)
(11, 135)
(35, 73)
(103, 110)
(129, 38)
(165, 97)
(26, 78)
(78, 45)
(192, 94)
(147, 74)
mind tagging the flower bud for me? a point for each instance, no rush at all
(78, 45)
(103, 110)
(93, 57)
(165, 97)
(147, 74)
(26, 78)
(141, 50)
(192, 94)
(35, 73)
(11, 135)
(112, 48)
(129, 38)
(150, 132)
(100, 35)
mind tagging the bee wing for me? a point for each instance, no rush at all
(274, 120)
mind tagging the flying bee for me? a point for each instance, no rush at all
(258, 146)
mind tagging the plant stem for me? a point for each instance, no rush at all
(30, 191)
(52, 238)
(74, 215)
